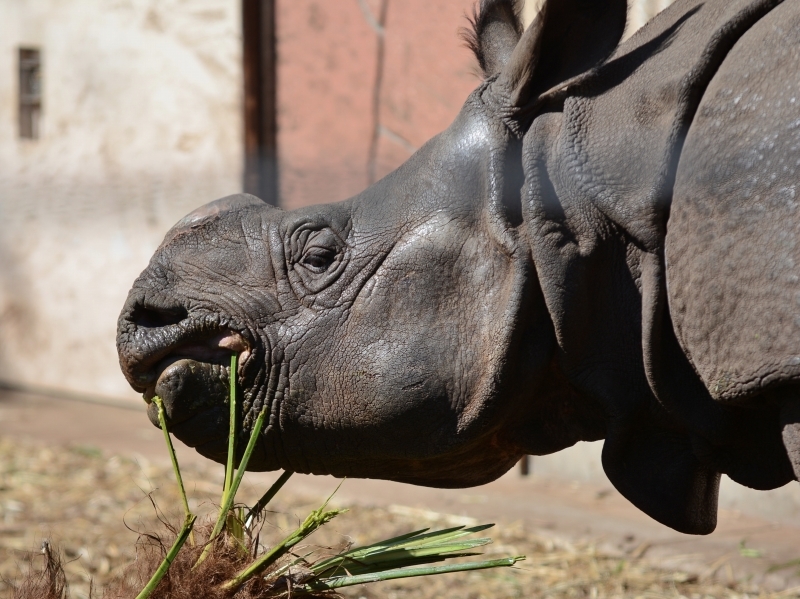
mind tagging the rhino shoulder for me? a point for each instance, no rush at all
(733, 239)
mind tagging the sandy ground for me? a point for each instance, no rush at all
(78, 472)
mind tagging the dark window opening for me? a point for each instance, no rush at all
(30, 92)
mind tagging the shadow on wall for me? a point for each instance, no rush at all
(17, 312)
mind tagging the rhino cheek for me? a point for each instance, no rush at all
(349, 411)
(402, 395)
(410, 369)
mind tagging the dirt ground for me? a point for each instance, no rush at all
(80, 475)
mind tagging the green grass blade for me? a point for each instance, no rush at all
(231, 495)
(426, 550)
(231, 430)
(344, 581)
(439, 536)
(392, 541)
(416, 540)
(358, 551)
(389, 553)
(162, 420)
(170, 557)
(400, 558)
(313, 521)
(410, 549)
(256, 510)
(351, 568)
(248, 452)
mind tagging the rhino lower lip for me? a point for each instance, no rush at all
(214, 351)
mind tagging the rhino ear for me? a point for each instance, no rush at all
(567, 38)
(496, 27)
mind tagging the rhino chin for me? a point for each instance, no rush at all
(194, 395)
(195, 398)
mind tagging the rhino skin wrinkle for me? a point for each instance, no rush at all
(603, 245)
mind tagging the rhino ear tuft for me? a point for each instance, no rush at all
(495, 29)
(566, 39)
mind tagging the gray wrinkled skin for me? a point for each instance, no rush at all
(603, 245)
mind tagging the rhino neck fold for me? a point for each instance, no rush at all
(599, 177)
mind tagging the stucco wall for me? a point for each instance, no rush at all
(142, 123)
(361, 85)
(141, 104)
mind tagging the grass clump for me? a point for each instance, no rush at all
(49, 583)
(225, 560)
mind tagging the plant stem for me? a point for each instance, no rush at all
(345, 581)
(162, 420)
(248, 451)
(171, 554)
(313, 521)
(231, 430)
(231, 495)
(256, 510)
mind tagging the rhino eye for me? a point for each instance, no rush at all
(318, 259)
(317, 251)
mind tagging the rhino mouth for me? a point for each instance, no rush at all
(214, 351)
(187, 364)
(193, 383)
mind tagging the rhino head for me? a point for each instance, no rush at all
(400, 334)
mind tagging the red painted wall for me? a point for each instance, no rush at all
(361, 84)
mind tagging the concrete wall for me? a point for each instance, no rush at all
(582, 463)
(141, 123)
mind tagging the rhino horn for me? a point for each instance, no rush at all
(568, 38)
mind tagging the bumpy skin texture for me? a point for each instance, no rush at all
(599, 197)
(561, 264)
(733, 246)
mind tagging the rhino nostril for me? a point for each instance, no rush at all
(157, 317)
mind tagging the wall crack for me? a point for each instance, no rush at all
(396, 138)
(379, 26)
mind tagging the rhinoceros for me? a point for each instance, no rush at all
(605, 244)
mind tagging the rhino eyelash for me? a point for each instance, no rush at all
(318, 260)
